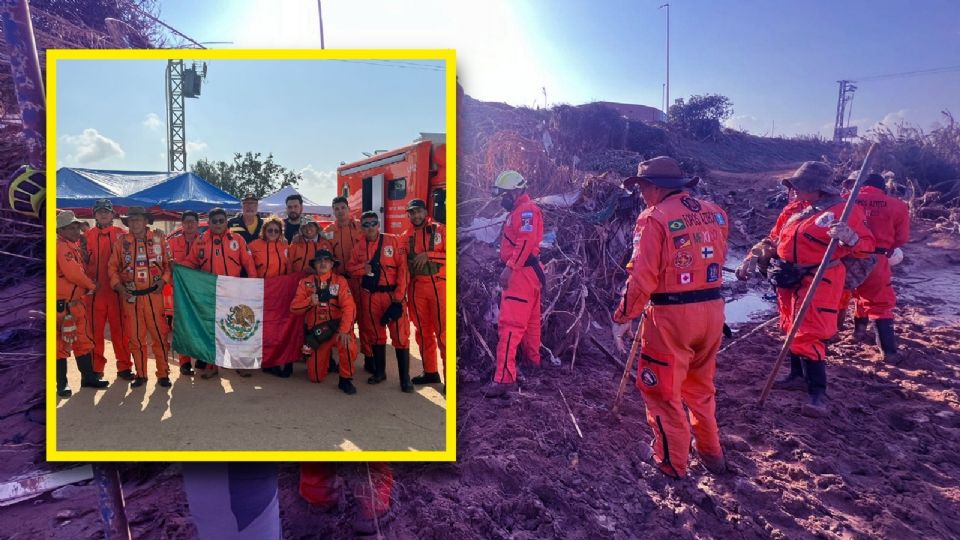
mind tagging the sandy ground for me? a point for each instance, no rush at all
(262, 412)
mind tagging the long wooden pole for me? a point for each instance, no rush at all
(808, 299)
(634, 351)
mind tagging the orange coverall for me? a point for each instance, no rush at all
(179, 249)
(680, 245)
(225, 254)
(145, 264)
(342, 241)
(336, 302)
(104, 306)
(301, 251)
(801, 237)
(393, 274)
(519, 325)
(427, 293)
(72, 285)
(270, 258)
(889, 221)
(319, 486)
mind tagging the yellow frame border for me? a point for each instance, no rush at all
(447, 55)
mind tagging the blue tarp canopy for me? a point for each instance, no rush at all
(80, 188)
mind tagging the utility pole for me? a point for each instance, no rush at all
(320, 14)
(667, 111)
(840, 128)
(181, 83)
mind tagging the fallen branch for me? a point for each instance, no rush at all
(580, 433)
(748, 334)
(607, 353)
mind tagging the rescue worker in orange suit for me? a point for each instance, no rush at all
(522, 281)
(800, 237)
(219, 251)
(330, 311)
(342, 235)
(304, 247)
(72, 285)
(425, 243)
(105, 304)
(889, 221)
(380, 260)
(139, 267)
(321, 484)
(179, 246)
(270, 257)
(679, 247)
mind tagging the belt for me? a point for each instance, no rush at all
(62, 305)
(144, 292)
(882, 251)
(688, 297)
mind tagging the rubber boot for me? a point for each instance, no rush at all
(369, 365)
(379, 365)
(126, 375)
(860, 330)
(793, 381)
(887, 340)
(346, 385)
(714, 464)
(285, 371)
(403, 367)
(427, 378)
(186, 369)
(816, 388)
(62, 389)
(88, 378)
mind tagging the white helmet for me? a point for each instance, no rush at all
(508, 181)
(896, 257)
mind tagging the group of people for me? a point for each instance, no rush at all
(353, 274)
(675, 275)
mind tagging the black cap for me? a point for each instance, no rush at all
(249, 196)
(416, 203)
(322, 254)
(369, 214)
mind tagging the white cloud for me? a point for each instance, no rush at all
(152, 122)
(195, 147)
(90, 147)
(320, 186)
(891, 120)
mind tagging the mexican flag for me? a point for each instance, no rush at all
(239, 323)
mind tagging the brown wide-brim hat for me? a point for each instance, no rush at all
(137, 211)
(661, 171)
(812, 176)
(320, 255)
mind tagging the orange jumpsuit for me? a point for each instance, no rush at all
(341, 241)
(427, 294)
(889, 221)
(72, 285)
(179, 248)
(145, 264)
(225, 254)
(270, 258)
(301, 251)
(104, 305)
(336, 302)
(679, 247)
(519, 325)
(801, 237)
(394, 277)
(319, 486)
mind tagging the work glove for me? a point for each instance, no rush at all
(842, 232)
(620, 330)
(392, 313)
(747, 268)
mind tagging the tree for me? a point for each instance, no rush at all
(701, 116)
(247, 173)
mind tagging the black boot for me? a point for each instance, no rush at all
(860, 330)
(88, 379)
(379, 365)
(793, 381)
(817, 388)
(403, 367)
(62, 389)
(427, 378)
(285, 371)
(887, 340)
(369, 365)
(186, 369)
(346, 385)
(127, 375)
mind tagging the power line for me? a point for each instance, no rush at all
(400, 65)
(930, 71)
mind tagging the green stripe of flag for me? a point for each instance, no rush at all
(195, 303)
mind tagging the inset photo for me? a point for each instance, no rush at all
(249, 255)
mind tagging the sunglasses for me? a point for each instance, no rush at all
(369, 224)
(217, 221)
(273, 231)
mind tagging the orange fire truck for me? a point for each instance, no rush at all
(387, 181)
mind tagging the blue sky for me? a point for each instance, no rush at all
(311, 114)
(778, 61)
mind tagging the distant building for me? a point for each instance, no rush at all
(636, 112)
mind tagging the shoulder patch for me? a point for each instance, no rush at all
(526, 221)
(388, 251)
(692, 204)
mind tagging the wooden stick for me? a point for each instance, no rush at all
(748, 334)
(827, 255)
(634, 351)
(609, 354)
(580, 433)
